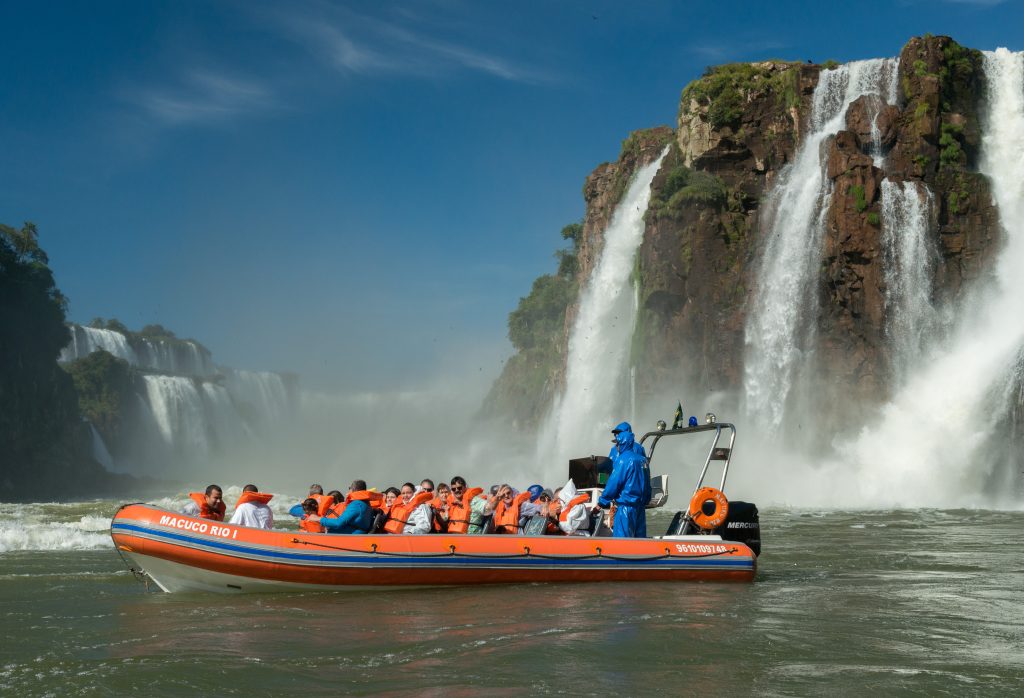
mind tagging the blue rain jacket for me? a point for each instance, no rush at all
(624, 427)
(357, 518)
(630, 481)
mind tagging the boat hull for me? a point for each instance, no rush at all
(182, 553)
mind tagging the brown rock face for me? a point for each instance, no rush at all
(738, 127)
(870, 118)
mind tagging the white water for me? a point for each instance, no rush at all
(779, 330)
(933, 445)
(53, 527)
(910, 258)
(99, 450)
(582, 417)
(183, 357)
(86, 340)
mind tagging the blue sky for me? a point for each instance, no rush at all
(361, 191)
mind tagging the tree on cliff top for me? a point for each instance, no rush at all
(42, 443)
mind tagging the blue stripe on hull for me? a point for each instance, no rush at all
(372, 559)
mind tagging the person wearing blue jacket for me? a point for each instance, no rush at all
(629, 485)
(356, 517)
(623, 427)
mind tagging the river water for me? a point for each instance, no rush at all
(908, 602)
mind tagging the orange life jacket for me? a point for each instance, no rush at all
(459, 511)
(310, 526)
(323, 503)
(577, 500)
(259, 497)
(375, 500)
(205, 512)
(436, 505)
(399, 514)
(506, 519)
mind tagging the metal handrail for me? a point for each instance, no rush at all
(716, 427)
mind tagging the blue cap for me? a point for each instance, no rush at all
(534, 491)
(693, 421)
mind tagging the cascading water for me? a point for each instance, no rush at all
(935, 438)
(600, 337)
(179, 357)
(86, 340)
(779, 329)
(910, 258)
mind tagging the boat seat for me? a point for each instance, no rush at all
(535, 525)
(595, 523)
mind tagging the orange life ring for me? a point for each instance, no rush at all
(709, 508)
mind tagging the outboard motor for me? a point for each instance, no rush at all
(742, 525)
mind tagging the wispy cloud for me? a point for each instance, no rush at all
(202, 96)
(731, 51)
(361, 45)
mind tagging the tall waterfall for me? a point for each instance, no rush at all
(779, 329)
(86, 340)
(935, 438)
(177, 356)
(185, 409)
(599, 342)
(910, 258)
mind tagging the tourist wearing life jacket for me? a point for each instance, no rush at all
(251, 509)
(572, 510)
(439, 508)
(629, 486)
(507, 509)
(323, 501)
(355, 513)
(412, 513)
(310, 522)
(391, 495)
(465, 508)
(208, 505)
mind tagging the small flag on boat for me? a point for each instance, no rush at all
(677, 421)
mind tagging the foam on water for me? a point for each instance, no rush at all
(46, 527)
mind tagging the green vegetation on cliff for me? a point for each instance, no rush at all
(103, 383)
(726, 89)
(44, 444)
(536, 329)
(632, 153)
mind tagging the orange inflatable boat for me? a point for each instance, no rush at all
(183, 553)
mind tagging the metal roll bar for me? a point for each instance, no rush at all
(715, 453)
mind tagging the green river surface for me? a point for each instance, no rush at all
(921, 602)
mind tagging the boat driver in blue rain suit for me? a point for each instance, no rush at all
(629, 485)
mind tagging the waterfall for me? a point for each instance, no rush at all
(177, 407)
(935, 440)
(779, 325)
(175, 356)
(599, 341)
(259, 395)
(86, 340)
(99, 450)
(909, 262)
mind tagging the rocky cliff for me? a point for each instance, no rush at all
(738, 127)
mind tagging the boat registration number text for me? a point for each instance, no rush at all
(699, 548)
(198, 527)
